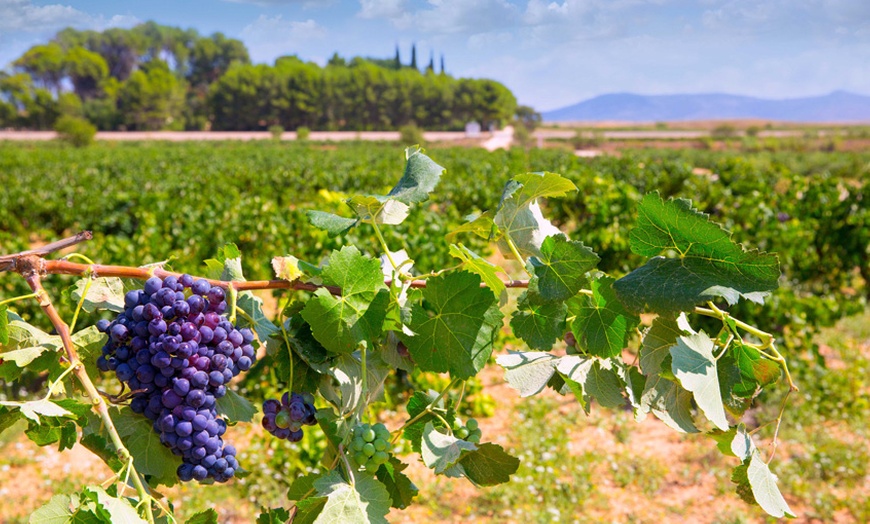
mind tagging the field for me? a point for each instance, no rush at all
(150, 202)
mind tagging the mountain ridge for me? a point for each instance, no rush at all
(837, 106)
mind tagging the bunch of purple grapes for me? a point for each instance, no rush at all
(177, 353)
(285, 419)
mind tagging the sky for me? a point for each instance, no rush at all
(549, 53)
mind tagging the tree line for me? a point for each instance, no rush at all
(154, 77)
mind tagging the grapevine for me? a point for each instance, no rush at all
(177, 340)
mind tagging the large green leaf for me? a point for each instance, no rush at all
(378, 209)
(26, 343)
(528, 372)
(104, 293)
(252, 305)
(235, 407)
(149, 456)
(706, 263)
(416, 407)
(346, 373)
(441, 451)
(764, 488)
(669, 402)
(402, 490)
(601, 325)
(341, 323)
(657, 342)
(693, 363)
(4, 326)
(119, 509)
(457, 330)
(365, 502)
(333, 224)
(58, 510)
(421, 176)
(597, 378)
(489, 465)
(519, 214)
(477, 264)
(539, 325)
(560, 271)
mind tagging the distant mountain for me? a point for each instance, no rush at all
(838, 106)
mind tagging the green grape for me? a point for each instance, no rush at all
(357, 444)
(382, 432)
(282, 419)
(369, 449)
(474, 438)
(462, 433)
(360, 458)
(380, 444)
(368, 435)
(457, 423)
(471, 424)
(381, 457)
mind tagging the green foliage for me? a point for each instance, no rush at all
(343, 340)
(410, 135)
(276, 131)
(302, 133)
(76, 131)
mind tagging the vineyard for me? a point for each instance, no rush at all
(627, 301)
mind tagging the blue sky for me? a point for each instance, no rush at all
(550, 53)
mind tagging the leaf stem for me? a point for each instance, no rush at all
(426, 410)
(386, 249)
(516, 253)
(15, 299)
(362, 359)
(233, 295)
(289, 347)
(88, 282)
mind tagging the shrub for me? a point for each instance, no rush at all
(302, 133)
(723, 131)
(276, 132)
(74, 130)
(411, 135)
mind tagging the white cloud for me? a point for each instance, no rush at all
(24, 16)
(271, 36)
(388, 9)
(306, 4)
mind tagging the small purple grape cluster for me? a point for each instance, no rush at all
(177, 353)
(285, 419)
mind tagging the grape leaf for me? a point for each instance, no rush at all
(149, 456)
(694, 365)
(519, 215)
(346, 370)
(560, 271)
(441, 451)
(273, 516)
(476, 264)
(457, 335)
(658, 340)
(253, 306)
(26, 344)
(378, 209)
(539, 325)
(755, 370)
(227, 264)
(33, 409)
(302, 486)
(528, 372)
(104, 293)
(208, 516)
(4, 326)
(764, 488)
(308, 510)
(120, 509)
(421, 176)
(489, 465)
(402, 491)
(481, 225)
(598, 380)
(333, 224)
(287, 268)
(341, 323)
(55, 511)
(235, 407)
(602, 326)
(366, 502)
(708, 263)
(669, 402)
(89, 343)
(417, 405)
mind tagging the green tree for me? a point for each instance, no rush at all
(211, 57)
(87, 71)
(45, 64)
(151, 98)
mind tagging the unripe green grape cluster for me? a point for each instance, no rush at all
(370, 446)
(469, 432)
